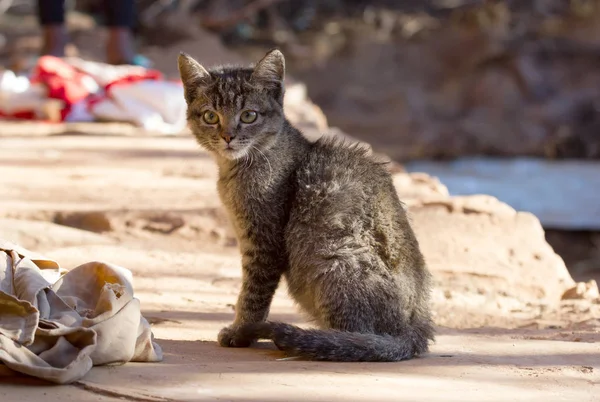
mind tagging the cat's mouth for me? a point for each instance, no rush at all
(231, 152)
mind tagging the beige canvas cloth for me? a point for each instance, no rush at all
(56, 326)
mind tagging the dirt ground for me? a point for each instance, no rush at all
(149, 204)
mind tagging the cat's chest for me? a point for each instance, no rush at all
(248, 203)
(237, 195)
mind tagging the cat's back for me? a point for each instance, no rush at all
(346, 205)
(336, 166)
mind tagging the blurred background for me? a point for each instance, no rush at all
(494, 97)
(470, 99)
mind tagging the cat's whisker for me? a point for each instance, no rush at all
(268, 163)
(245, 160)
(249, 158)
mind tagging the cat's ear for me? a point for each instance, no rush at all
(270, 68)
(192, 75)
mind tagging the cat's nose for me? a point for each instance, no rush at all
(227, 137)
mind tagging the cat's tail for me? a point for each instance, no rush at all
(339, 346)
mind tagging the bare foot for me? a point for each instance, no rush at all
(55, 40)
(119, 47)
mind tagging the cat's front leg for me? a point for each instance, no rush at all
(259, 283)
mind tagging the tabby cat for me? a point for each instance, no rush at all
(324, 215)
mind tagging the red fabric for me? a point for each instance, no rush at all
(66, 83)
(130, 79)
(63, 81)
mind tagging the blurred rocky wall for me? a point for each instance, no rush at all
(486, 80)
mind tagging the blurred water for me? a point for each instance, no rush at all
(562, 194)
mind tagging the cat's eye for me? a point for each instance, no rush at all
(210, 117)
(248, 116)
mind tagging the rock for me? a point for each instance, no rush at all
(583, 291)
(560, 193)
(479, 246)
(480, 243)
(92, 221)
(469, 205)
(418, 186)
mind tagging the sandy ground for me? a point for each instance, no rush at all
(155, 199)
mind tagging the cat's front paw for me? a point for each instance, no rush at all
(231, 337)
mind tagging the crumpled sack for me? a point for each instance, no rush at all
(56, 327)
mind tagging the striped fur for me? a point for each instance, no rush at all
(325, 216)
